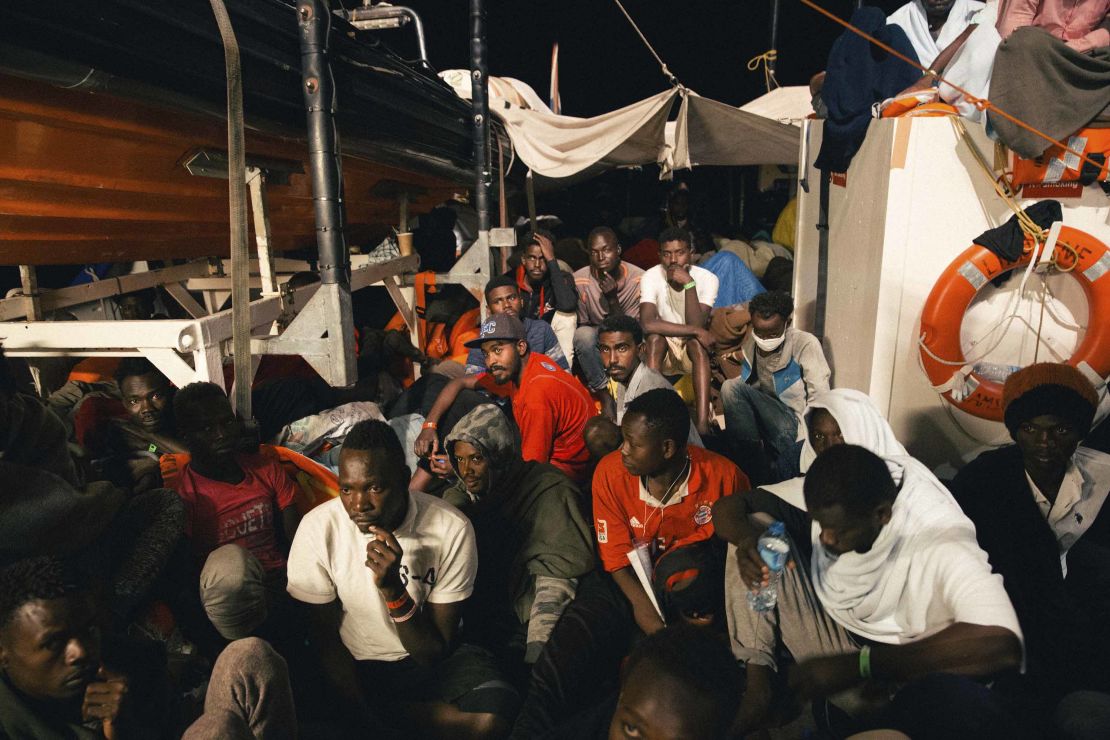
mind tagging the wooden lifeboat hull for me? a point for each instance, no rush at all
(95, 172)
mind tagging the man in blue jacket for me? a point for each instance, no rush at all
(782, 370)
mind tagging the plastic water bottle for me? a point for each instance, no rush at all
(993, 371)
(775, 551)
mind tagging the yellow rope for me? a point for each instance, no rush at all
(1027, 224)
(765, 60)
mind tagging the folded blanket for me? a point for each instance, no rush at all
(1048, 85)
(857, 76)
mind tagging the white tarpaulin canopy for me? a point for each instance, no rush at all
(784, 104)
(706, 132)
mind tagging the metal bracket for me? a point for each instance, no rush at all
(185, 300)
(502, 237)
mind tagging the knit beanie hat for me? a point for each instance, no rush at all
(1049, 388)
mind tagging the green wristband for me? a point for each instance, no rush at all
(865, 662)
(689, 285)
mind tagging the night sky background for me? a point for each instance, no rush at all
(604, 65)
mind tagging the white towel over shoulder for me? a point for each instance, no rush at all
(911, 17)
(924, 572)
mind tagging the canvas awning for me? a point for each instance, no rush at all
(784, 104)
(705, 132)
(711, 133)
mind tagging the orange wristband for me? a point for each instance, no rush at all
(394, 605)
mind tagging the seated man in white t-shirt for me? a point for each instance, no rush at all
(675, 300)
(386, 573)
(892, 611)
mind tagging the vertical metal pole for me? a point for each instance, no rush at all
(318, 86)
(479, 86)
(742, 202)
(530, 191)
(256, 181)
(774, 39)
(323, 145)
(822, 257)
(502, 201)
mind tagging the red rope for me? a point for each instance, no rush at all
(980, 103)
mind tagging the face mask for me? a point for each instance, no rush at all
(769, 345)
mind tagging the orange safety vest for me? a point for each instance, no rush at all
(1057, 165)
(437, 340)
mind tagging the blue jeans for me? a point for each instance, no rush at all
(752, 415)
(589, 359)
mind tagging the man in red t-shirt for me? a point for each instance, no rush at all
(232, 500)
(656, 492)
(551, 406)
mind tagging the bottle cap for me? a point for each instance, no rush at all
(777, 529)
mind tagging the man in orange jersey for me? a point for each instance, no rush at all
(551, 406)
(657, 493)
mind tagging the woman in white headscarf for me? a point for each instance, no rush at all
(840, 416)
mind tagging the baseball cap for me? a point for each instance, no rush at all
(690, 579)
(499, 326)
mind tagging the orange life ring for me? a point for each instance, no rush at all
(939, 345)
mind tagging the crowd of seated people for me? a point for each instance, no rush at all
(539, 544)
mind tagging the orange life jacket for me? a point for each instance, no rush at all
(1057, 165)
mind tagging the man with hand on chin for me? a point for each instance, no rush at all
(63, 678)
(387, 572)
(675, 300)
(782, 369)
(607, 288)
(550, 406)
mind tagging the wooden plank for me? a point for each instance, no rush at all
(399, 301)
(14, 308)
(29, 280)
(185, 300)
